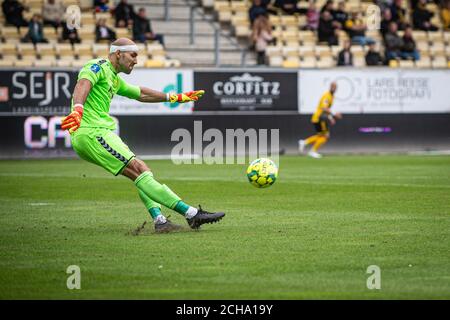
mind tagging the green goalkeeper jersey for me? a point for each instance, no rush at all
(105, 84)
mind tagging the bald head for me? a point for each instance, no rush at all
(123, 55)
(123, 42)
(333, 87)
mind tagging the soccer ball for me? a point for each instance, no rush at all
(262, 173)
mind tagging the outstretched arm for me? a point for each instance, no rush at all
(149, 95)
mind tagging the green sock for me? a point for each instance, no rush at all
(153, 208)
(157, 192)
(185, 209)
(181, 207)
(154, 212)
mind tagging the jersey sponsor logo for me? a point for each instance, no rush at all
(95, 68)
(101, 62)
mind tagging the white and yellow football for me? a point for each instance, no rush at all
(262, 173)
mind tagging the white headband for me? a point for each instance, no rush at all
(130, 47)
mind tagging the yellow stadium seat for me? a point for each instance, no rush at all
(35, 5)
(242, 31)
(406, 64)
(225, 13)
(308, 62)
(84, 59)
(26, 50)
(6, 63)
(64, 63)
(45, 49)
(306, 51)
(87, 18)
(100, 50)
(9, 33)
(291, 51)
(23, 31)
(437, 49)
(419, 35)
(291, 63)
(288, 20)
(50, 33)
(439, 62)
(276, 60)
(447, 36)
(322, 50)
(308, 43)
(274, 50)
(359, 61)
(219, 5)
(27, 62)
(82, 49)
(154, 63)
(64, 50)
(326, 62)
(435, 36)
(422, 45)
(172, 63)
(424, 62)
(78, 63)
(275, 20)
(155, 49)
(8, 50)
(44, 63)
(335, 50)
(85, 5)
(393, 63)
(123, 33)
(302, 21)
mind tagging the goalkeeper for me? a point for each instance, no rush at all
(93, 139)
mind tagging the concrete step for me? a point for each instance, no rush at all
(176, 33)
(203, 58)
(182, 3)
(181, 27)
(201, 43)
(155, 12)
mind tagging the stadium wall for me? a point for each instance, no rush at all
(384, 110)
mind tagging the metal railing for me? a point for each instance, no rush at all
(193, 9)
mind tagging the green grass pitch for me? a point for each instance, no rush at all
(311, 235)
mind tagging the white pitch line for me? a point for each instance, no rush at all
(291, 180)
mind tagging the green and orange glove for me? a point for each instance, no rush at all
(185, 97)
(73, 121)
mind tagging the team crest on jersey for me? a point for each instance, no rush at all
(95, 68)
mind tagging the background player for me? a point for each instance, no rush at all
(321, 119)
(93, 138)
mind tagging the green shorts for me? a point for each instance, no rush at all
(103, 148)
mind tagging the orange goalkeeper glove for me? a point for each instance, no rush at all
(73, 120)
(186, 97)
